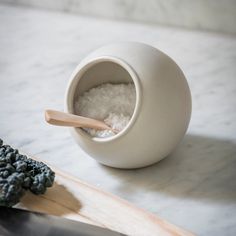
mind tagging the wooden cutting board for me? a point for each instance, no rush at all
(71, 198)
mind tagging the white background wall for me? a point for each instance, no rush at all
(216, 15)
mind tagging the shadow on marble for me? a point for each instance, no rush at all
(200, 168)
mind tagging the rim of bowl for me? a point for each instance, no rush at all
(74, 81)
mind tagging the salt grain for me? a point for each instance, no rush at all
(112, 103)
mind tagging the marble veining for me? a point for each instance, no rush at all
(195, 186)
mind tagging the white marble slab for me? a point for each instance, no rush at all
(216, 15)
(195, 187)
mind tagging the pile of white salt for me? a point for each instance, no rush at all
(112, 103)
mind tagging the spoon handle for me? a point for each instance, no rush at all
(65, 119)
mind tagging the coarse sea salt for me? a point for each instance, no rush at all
(112, 103)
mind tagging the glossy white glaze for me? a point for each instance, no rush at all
(195, 187)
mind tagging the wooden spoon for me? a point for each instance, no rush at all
(65, 119)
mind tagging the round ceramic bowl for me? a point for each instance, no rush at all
(162, 109)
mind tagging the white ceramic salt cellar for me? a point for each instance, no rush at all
(162, 110)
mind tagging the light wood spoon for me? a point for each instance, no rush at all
(65, 119)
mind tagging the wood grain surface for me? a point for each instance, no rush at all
(71, 198)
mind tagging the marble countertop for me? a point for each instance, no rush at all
(195, 187)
